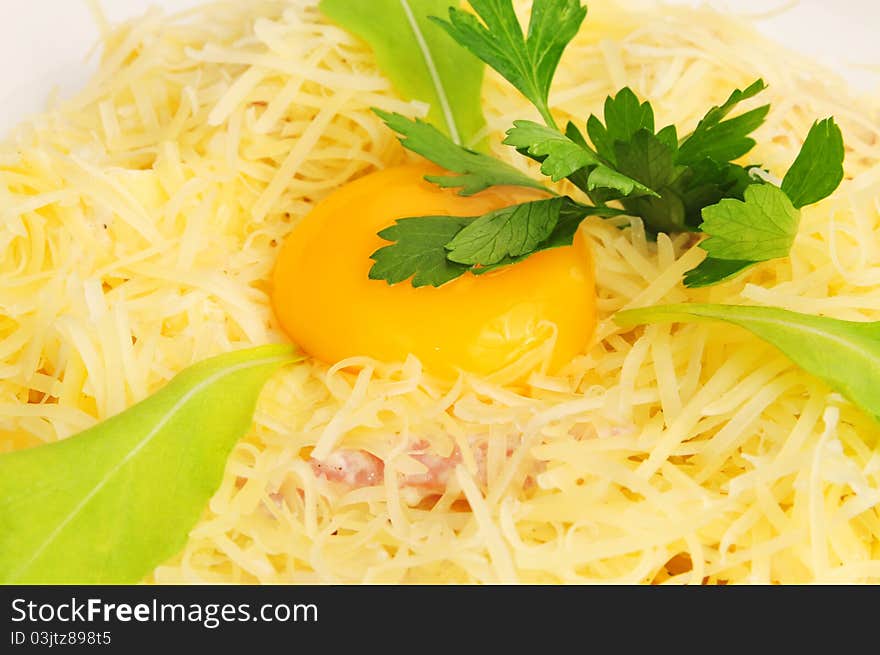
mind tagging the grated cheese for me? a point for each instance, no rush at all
(138, 227)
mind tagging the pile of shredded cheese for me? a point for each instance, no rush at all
(139, 223)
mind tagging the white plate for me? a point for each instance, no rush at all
(44, 47)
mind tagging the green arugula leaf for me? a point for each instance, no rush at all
(477, 171)
(508, 232)
(420, 59)
(528, 63)
(844, 354)
(419, 251)
(725, 140)
(110, 504)
(759, 228)
(818, 169)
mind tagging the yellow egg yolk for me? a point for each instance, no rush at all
(327, 304)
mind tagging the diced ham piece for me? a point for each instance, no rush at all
(358, 468)
(355, 468)
(439, 471)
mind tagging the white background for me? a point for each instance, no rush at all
(43, 43)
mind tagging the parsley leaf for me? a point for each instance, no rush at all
(624, 117)
(508, 232)
(419, 251)
(669, 136)
(725, 140)
(712, 271)
(764, 226)
(818, 169)
(707, 182)
(647, 159)
(759, 228)
(673, 185)
(570, 217)
(686, 177)
(627, 141)
(511, 235)
(528, 63)
(717, 114)
(607, 179)
(433, 250)
(744, 233)
(651, 161)
(562, 156)
(477, 171)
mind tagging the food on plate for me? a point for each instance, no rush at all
(499, 292)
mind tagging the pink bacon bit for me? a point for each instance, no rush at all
(439, 471)
(358, 468)
(355, 468)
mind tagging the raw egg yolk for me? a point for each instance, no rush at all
(327, 304)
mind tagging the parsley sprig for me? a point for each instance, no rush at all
(689, 184)
(529, 63)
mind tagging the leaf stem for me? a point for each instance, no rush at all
(548, 117)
